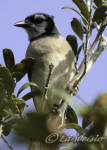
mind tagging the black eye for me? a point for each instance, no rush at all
(38, 20)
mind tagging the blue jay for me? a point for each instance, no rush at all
(48, 47)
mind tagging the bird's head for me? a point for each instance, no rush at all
(38, 24)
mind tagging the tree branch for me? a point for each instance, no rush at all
(77, 77)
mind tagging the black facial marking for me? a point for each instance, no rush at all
(38, 18)
(50, 25)
(30, 18)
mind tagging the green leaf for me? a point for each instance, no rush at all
(87, 113)
(34, 127)
(84, 19)
(99, 14)
(86, 121)
(2, 91)
(12, 105)
(18, 76)
(26, 85)
(77, 27)
(78, 51)
(73, 126)
(71, 115)
(98, 3)
(3, 101)
(10, 113)
(22, 68)
(7, 127)
(83, 8)
(72, 40)
(22, 106)
(8, 58)
(31, 94)
(7, 79)
(28, 61)
(17, 105)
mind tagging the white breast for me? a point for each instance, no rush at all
(51, 50)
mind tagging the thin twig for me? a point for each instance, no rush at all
(47, 82)
(10, 147)
(51, 66)
(88, 33)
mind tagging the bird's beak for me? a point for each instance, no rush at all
(21, 24)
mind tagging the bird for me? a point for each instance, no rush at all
(49, 49)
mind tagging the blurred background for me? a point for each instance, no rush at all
(16, 39)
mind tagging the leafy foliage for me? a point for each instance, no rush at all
(98, 3)
(35, 123)
(82, 7)
(77, 28)
(37, 126)
(6, 80)
(72, 40)
(10, 104)
(77, 25)
(71, 115)
(8, 58)
(100, 13)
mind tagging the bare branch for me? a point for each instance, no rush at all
(51, 66)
